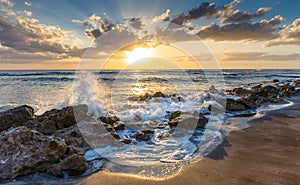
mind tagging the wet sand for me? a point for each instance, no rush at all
(266, 153)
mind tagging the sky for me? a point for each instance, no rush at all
(88, 34)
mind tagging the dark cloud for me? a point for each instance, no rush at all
(259, 31)
(257, 56)
(238, 16)
(135, 23)
(207, 10)
(204, 10)
(96, 26)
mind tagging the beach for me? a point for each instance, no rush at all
(265, 153)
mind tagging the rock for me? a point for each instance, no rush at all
(74, 165)
(257, 88)
(109, 119)
(137, 118)
(25, 151)
(65, 117)
(143, 136)
(46, 127)
(126, 141)
(15, 117)
(175, 114)
(158, 94)
(276, 81)
(119, 125)
(241, 92)
(213, 90)
(144, 97)
(236, 105)
(185, 119)
(268, 91)
(72, 137)
(297, 82)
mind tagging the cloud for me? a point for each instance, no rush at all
(205, 10)
(289, 35)
(7, 2)
(258, 56)
(96, 26)
(27, 3)
(163, 17)
(238, 16)
(259, 31)
(27, 13)
(27, 35)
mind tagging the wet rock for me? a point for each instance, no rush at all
(175, 114)
(158, 94)
(109, 119)
(15, 117)
(276, 81)
(74, 165)
(237, 105)
(25, 151)
(126, 141)
(118, 126)
(144, 97)
(46, 127)
(297, 82)
(144, 135)
(65, 117)
(72, 137)
(186, 119)
(137, 118)
(268, 91)
(241, 92)
(213, 90)
(257, 88)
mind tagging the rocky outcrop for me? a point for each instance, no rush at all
(65, 117)
(177, 117)
(15, 117)
(25, 151)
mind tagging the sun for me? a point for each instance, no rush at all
(138, 54)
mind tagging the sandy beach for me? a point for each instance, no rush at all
(266, 153)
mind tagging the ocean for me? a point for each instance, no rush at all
(116, 93)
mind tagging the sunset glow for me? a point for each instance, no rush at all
(138, 54)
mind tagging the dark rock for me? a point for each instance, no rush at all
(276, 81)
(65, 117)
(15, 117)
(144, 97)
(46, 127)
(185, 119)
(158, 94)
(137, 118)
(236, 105)
(118, 126)
(213, 90)
(72, 137)
(109, 119)
(74, 165)
(297, 82)
(257, 88)
(24, 151)
(268, 91)
(241, 92)
(175, 114)
(126, 141)
(142, 136)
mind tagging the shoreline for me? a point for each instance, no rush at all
(265, 153)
